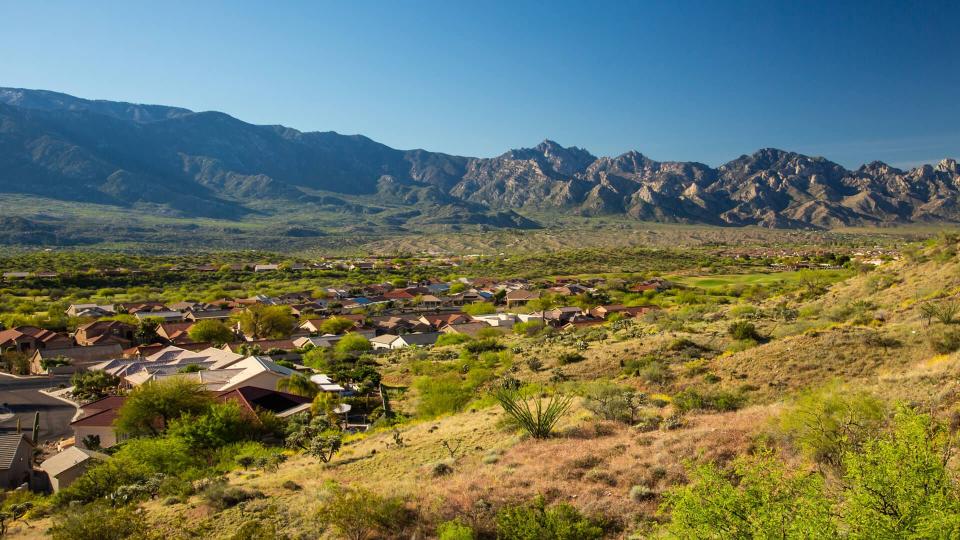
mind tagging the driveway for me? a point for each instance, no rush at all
(21, 398)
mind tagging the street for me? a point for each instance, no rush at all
(22, 398)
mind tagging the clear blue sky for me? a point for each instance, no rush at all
(706, 81)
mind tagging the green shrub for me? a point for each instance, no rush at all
(536, 521)
(569, 358)
(358, 513)
(483, 345)
(455, 530)
(743, 330)
(98, 521)
(529, 328)
(612, 402)
(945, 342)
(452, 339)
(642, 493)
(221, 495)
(692, 399)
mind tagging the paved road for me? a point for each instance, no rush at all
(22, 398)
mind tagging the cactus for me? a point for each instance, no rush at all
(36, 427)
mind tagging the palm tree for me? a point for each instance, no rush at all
(298, 384)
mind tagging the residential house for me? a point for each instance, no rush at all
(325, 384)
(429, 301)
(603, 312)
(94, 311)
(424, 339)
(94, 422)
(166, 316)
(471, 329)
(254, 400)
(501, 320)
(80, 357)
(439, 320)
(27, 339)
(208, 314)
(97, 418)
(175, 332)
(519, 297)
(132, 308)
(65, 467)
(385, 342)
(266, 268)
(16, 460)
(105, 332)
(562, 315)
(315, 341)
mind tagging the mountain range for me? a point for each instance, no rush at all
(182, 163)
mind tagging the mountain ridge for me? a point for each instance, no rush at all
(210, 164)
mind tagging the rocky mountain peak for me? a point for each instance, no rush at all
(948, 165)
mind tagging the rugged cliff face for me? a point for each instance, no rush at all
(211, 164)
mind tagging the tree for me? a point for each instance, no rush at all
(762, 500)
(146, 331)
(93, 385)
(825, 424)
(325, 445)
(479, 308)
(220, 425)
(260, 321)
(301, 431)
(336, 325)
(298, 384)
(212, 331)
(899, 486)
(150, 408)
(353, 343)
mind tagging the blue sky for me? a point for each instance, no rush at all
(705, 81)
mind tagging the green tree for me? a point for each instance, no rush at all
(899, 486)
(826, 423)
(212, 331)
(336, 325)
(298, 384)
(150, 408)
(262, 322)
(146, 332)
(353, 344)
(761, 500)
(220, 425)
(479, 308)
